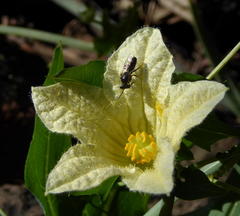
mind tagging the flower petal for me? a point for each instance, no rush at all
(80, 169)
(188, 104)
(159, 179)
(80, 110)
(153, 59)
(155, 67)
(63, 108)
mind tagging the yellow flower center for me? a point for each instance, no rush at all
(141, 148)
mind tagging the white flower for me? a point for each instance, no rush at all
(135, 136)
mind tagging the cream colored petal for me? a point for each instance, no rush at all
(188, 104)
(80, 169)
(155, 70)
(153, 58)
(64, 108)
(159, 179)
(83, 111)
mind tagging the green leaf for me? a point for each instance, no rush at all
(156, 209)
(237, 168)
(228, 160)
(56, 65)
(194, 184)
(179, 77)
(44, 152)
(91, 210)
(100, 203)
(231, 208)
(233, 182)
(163, 207)
(102, 189)
(129, 204)
(91, 73)
(87, 15)
(210, 131)
(94, 207)
(215, 204)
(211, 168)
(184, 153)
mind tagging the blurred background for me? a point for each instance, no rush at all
(198, 33)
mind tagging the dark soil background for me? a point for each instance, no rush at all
(23, 63)
(19, 70)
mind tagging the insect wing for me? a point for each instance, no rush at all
(130, 64)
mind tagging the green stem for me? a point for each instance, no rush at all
(47, 37)
(2, 213)
(72, 6)
(224, 61)
(77, 7)
(108, 203)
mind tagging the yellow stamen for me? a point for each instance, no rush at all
(141, 148)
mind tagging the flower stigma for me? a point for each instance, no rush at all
(141, 148)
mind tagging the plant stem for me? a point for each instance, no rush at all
(223, 62)
(109, 200)
(72, 6)
(2, 213)
(47, 37)
(77, 7)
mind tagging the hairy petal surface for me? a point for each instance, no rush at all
(187, 105)
(80, 169)
(66, 108)
(159, 178)
(154, 62)
(80, 110)
(155, 67)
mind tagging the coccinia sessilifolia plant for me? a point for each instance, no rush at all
(133, 133)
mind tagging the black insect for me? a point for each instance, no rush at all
(126, 75)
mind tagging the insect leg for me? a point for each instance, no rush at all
(120, 94)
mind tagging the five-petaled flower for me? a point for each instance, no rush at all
(135, 136)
